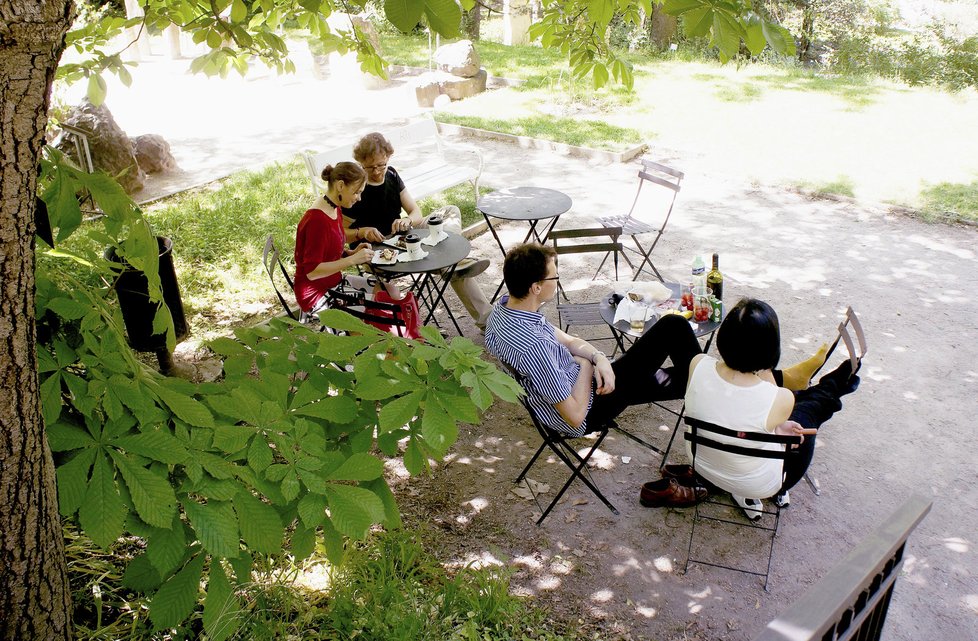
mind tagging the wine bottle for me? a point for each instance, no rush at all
(714, 280)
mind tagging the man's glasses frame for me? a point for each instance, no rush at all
(375, 167)
(557, 277)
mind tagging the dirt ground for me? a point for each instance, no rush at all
(904, 432)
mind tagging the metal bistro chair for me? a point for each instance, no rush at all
(596, 240)
(703, 434)
(273, 263)
(636, 223)
(356, 301)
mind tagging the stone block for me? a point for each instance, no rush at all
(458, 88)
(459, 59)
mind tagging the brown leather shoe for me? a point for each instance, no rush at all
(682, 473)
(686, 476)
(669, 493)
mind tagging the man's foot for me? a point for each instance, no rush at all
(782, 500)
(470, 268)
(751, 507)
(798, 376)
(842, 378)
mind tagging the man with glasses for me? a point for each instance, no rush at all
(571, 386)
(378, 214)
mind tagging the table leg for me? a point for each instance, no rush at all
(432, 294)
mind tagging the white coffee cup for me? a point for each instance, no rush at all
(412, 242)
(435, 224)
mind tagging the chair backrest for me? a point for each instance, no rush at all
(663, 176)
(273, 263)
(600, 240)
(704, 434)
(358, 302)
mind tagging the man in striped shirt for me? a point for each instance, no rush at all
(571, 386)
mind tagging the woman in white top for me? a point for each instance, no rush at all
(743, 392)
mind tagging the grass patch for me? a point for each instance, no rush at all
(581, 132)
(218, 234)
(857, 91)
(739, 92)
(841, 186)
(957, 201)
(388, 587)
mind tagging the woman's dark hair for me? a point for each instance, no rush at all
(349, 172)
(525, 265)
(749, 340)
(371, 144)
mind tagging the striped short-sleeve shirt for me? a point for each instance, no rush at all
(526, 342)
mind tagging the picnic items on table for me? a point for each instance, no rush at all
(646, 300)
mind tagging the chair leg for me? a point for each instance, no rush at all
(533, 460)
(672, 437)
(576, 473)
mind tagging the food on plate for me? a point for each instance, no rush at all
(388, 254)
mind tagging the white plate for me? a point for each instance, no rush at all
(377, 260)
(403, 257)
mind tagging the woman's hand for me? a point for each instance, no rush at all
(363, 254)
(370, 234)
(791, 428)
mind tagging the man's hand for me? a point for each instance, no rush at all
(401, 225)
(370, 234)
(604, 375)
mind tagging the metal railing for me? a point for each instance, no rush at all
(851, 601)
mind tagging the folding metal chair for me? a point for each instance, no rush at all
(703, 434)
(638, 222)
(273, 262)
(559, 443)
(581, 241)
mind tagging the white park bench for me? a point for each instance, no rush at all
(420, 158)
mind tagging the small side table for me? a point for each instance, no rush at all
(528, 204)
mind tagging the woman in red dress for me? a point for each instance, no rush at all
(320, 239)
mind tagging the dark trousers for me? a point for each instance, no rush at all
(639, 376)
(813, 407)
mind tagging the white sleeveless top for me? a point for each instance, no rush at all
(714, 400)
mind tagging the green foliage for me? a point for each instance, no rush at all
(286, 445)
(728, 24)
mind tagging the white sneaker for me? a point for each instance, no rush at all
(782, 500)
(751, 507)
